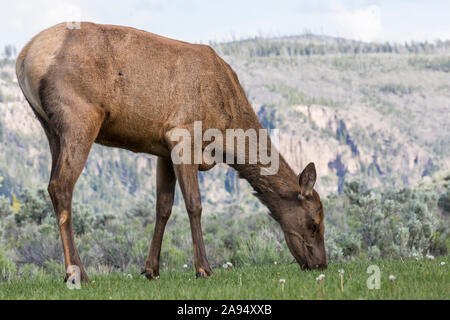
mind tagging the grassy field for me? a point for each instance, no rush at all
(422, 279)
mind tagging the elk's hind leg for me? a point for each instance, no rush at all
(165, 191)
(71, 134)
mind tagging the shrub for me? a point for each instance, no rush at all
(361, 222)
(444, 201)
(7, 267)
(39, 245)
(262, 248)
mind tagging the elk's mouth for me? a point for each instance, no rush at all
(298, 247)
(303, 252)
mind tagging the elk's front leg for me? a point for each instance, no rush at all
(165, 190)
(187, 176)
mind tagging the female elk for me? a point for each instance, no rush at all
(131, 89)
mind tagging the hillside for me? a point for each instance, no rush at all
(374, 111)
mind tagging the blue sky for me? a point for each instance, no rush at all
(204, 20)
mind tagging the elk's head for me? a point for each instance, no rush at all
(302, 223)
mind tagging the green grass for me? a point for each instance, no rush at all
(423, 279)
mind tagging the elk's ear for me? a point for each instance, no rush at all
(306, 180)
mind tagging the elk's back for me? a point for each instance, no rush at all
(144, 83)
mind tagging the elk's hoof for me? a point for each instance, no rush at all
(150, 274)
(202, 273)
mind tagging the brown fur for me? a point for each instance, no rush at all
(127, 88)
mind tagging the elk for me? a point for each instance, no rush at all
(127, 88)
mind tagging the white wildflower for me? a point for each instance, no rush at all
(341, 274)
(185, 266)
(129, 276)
(442, 263)
(282, 281)
(429, 256)
(229, 264)
(392, 277)
(275, 262)
(225, 266)
(320, 277)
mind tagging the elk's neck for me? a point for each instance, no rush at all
(271, 189)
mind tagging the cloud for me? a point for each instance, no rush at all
(61, 11)
(189, 20)
(360, 24)
(23, 18)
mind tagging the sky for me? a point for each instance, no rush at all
(202, 21)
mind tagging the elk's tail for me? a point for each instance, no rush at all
(29, 90)
(35, 61)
